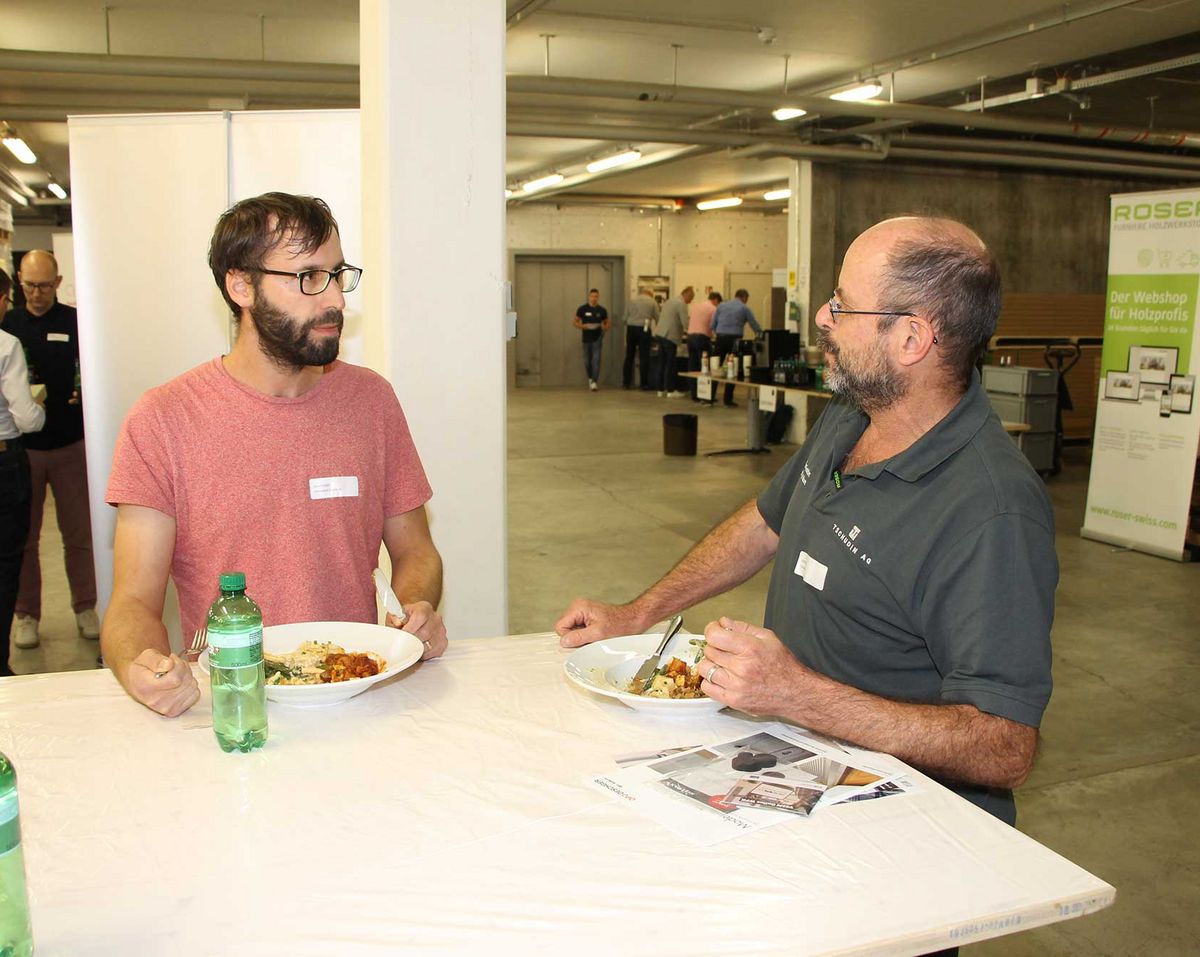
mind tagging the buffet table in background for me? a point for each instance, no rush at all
(446, 811)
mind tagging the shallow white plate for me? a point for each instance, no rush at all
(398, 648)
(607, 667)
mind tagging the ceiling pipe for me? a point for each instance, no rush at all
(33, 61)
(525, 11)
(1042, 162)
(1015, 30)
(647, 134)
(868, 109)
(1082, 152)
(60, 113)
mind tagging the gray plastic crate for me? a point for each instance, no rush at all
(1020, 380)
(1038, 448)
(1037, 411)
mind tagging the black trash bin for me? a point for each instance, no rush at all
(679, 434)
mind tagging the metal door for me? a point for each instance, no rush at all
(547, 290)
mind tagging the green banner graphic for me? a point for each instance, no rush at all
(1149, 310)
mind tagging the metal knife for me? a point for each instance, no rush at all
(388, 597)
(650, 665)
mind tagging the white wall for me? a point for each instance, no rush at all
(742, 241)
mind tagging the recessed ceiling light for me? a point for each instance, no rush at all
(864, 91)
(618, 159)
(541, 183)
(20, 149)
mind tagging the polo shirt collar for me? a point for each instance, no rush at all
(945, 439)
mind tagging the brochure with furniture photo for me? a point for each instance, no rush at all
(714, 792)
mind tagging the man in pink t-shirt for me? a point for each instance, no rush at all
(276, 460)
(699, 334)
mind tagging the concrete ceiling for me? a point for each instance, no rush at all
(264, 54)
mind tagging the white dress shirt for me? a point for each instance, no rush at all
(18, 412)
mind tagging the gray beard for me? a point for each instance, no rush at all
(873, 387)
(288, 346)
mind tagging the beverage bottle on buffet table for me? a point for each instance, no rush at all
(235, 664)
(16, 937)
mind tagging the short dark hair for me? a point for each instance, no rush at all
(5, 283)
(249, 231)
(741, 294)
(715, 295)
(596, 291)
(952, 280)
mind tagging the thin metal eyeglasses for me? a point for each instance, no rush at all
(313, 282)
(836, 312)
(37, 286)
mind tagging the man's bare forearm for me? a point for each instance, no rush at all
(130, 627)
(727, 556)
(953, 741)
(417, 576)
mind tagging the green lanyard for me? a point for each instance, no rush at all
(837, 478)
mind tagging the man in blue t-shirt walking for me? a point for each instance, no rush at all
(593, 319)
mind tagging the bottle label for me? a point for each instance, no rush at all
(10, 823)
(235, 649)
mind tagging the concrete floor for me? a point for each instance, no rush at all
(596, 509)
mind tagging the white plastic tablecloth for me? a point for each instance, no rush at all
(446, 812)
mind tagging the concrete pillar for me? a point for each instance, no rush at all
(799, 247)
(432, 93)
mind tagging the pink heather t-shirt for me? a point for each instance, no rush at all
(294, 492)
(700, 314)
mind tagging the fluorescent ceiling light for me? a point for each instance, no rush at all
(57, 190)
(864, 92)
(535, 184)
(787, 113)
(618, 159)
(720, 203)
(773, 194)
(508, 192)
(20, 149)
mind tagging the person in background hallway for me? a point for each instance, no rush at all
(593, 319)
(49, 331)
(913, 569)
(669, 333)
(699, 337)
(19, 412)
(640, 316)
(729, 322)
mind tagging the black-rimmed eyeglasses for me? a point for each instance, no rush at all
(37, 286)
(836, 311)
(313, 282)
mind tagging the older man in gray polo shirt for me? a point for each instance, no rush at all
(912, 594)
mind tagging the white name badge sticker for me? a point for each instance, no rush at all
(704, 388)
(336, 486)
(812, 571)
(57, 337)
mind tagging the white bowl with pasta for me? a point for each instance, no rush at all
(608, 667)
(399, 650)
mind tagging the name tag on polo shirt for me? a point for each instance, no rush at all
(812, 571)
(336, 486)
(57, 337)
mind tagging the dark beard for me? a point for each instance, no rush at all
(872, 388)
(288, 346)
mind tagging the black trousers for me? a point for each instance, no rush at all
(666, 364)
(697, 344)
(726, 345)
(637, 344)
(15, 493)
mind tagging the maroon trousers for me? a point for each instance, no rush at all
(65, 470)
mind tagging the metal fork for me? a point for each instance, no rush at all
(198, 644)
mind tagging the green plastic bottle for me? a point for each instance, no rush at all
(235, 664)
(16, 936)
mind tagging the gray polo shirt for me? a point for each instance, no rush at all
(929, 577)
(638, 310)
(673, 321)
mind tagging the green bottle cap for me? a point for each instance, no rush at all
(233, 581)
